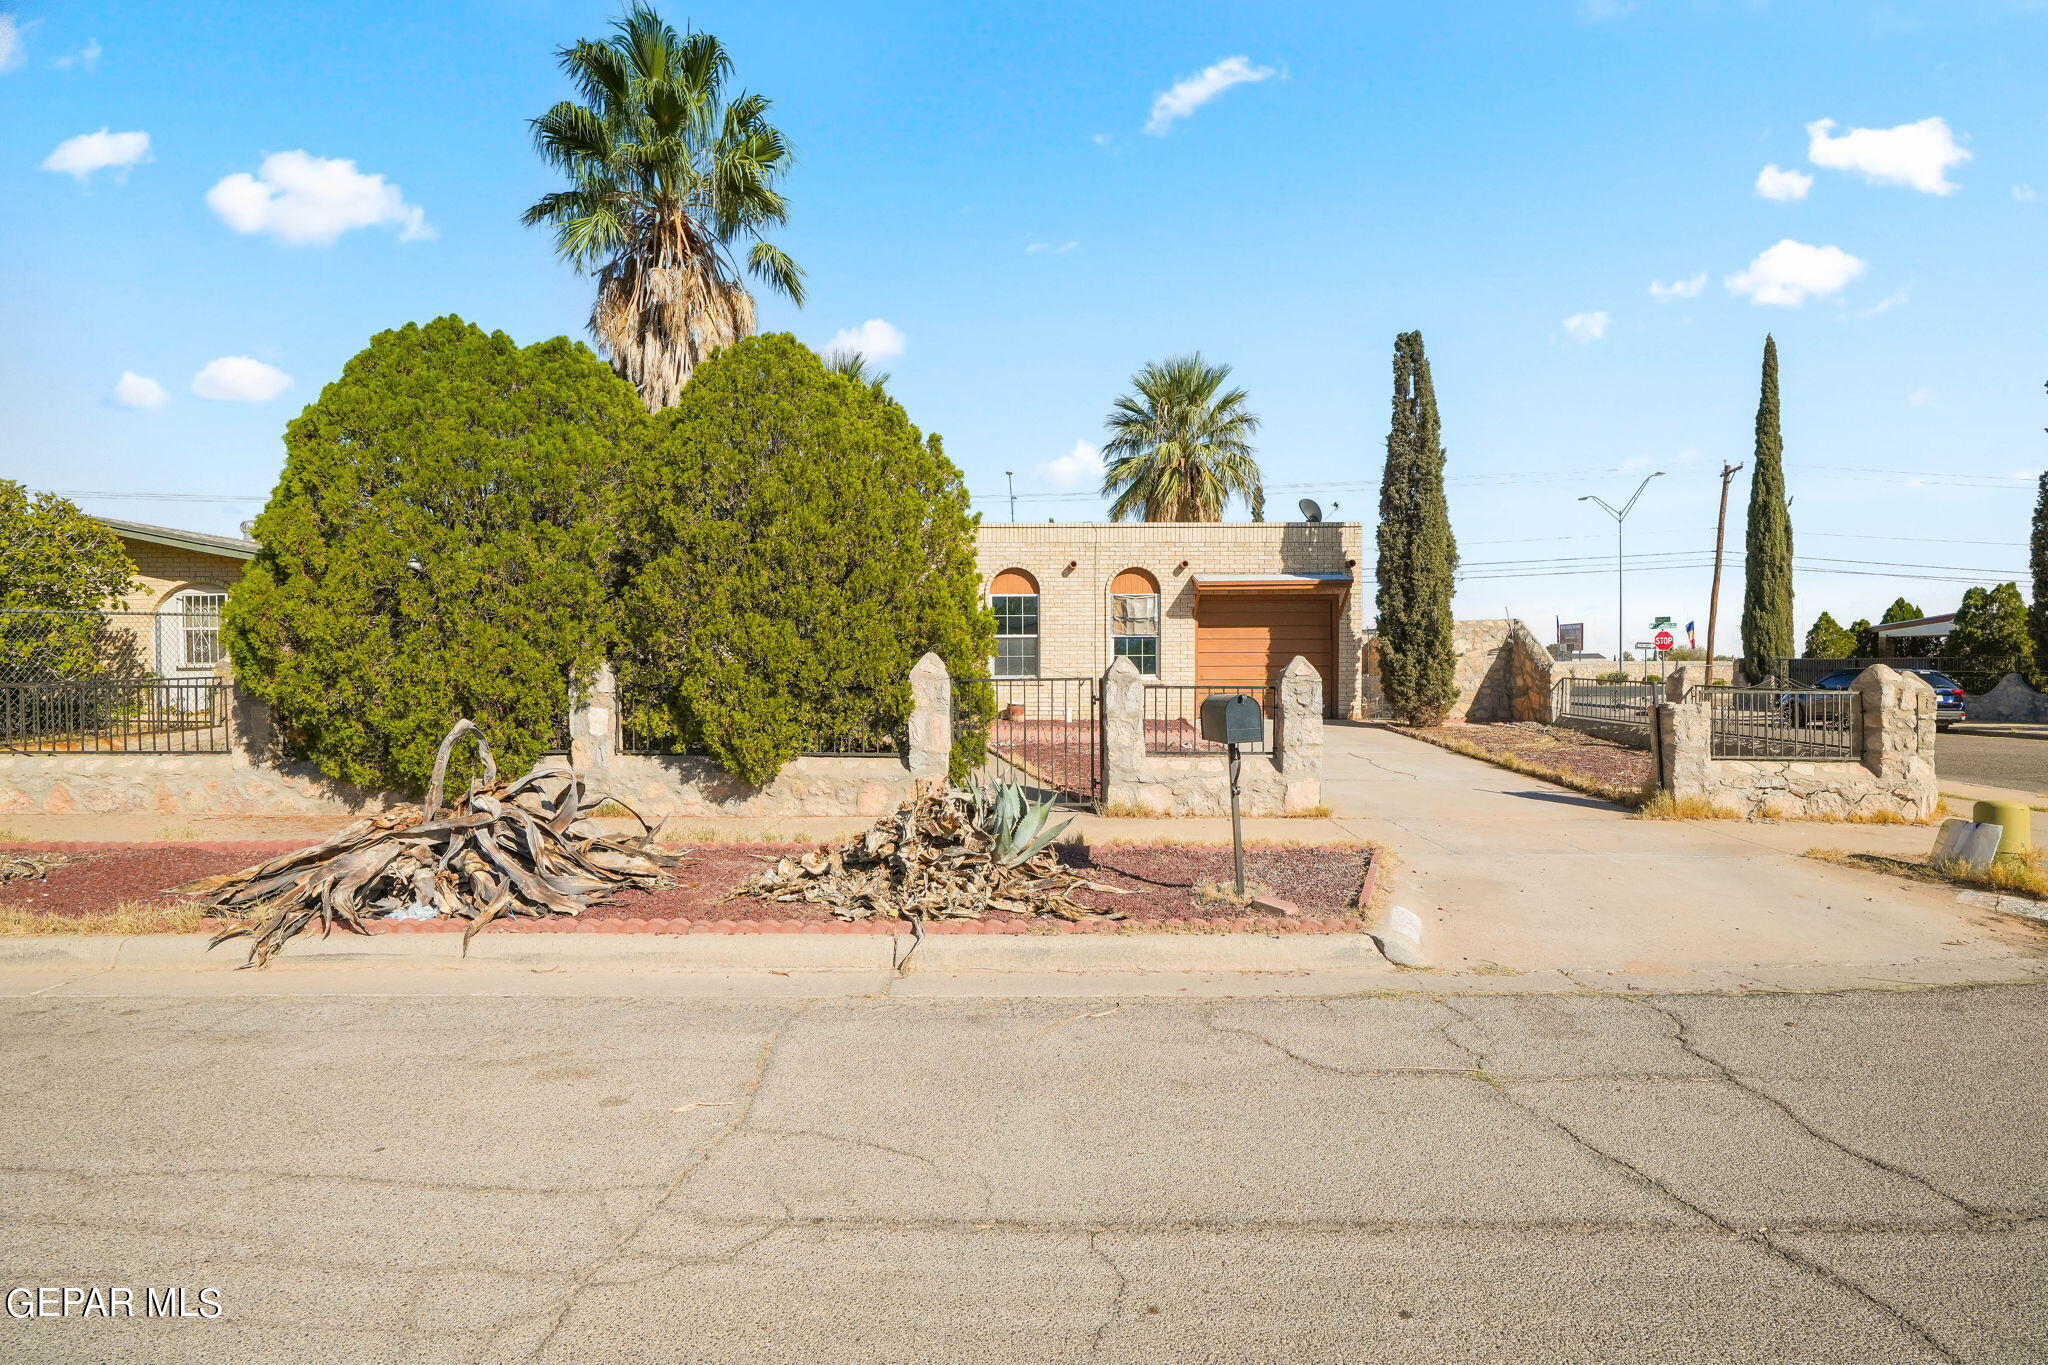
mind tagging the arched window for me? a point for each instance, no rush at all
(1013, 596)
(188, 631)
(1134, 620)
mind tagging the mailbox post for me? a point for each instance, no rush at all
(1232, 719)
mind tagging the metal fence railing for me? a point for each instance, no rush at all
(118, 682)
(1173, 718)
(1047, 731)
(1627, 704)
(1757, 722)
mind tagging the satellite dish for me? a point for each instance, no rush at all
(1309, 510)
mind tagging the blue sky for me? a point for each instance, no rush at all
(1005, 191)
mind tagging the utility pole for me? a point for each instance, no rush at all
(1012, 477)
(1728, 472)
(1620, 518)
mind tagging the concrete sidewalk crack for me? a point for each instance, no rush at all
(1354, 1073)
(1683, 1038)
(1116, 1301)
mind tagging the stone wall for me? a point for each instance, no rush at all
(2012, 702)
(1894, 773)
(1286, 782)
(252, 779)
(1502, 674)
(1074, 564)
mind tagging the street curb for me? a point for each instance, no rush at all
(722, 952)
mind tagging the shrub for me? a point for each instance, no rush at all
(437, 546)
(59, 569)
(794, 545)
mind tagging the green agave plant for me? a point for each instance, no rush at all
(1014, 823)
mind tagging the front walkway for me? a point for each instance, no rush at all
(1512, 870)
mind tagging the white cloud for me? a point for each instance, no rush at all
(1192, 92)
(2024, 193)
(303, 199)
(239, 379)
(86, 59)
(88, 152)
(1082, 464)
(1913, 154)
(1687, 288)
(1789, 273)
(1586, 327)
(1035, 248)
(1773, 183)
(132, 390)
(12, 53)
(1920, 398)
(1102, 139)
(874, 339)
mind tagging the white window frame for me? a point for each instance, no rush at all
(1036, 635)
(1116, 638)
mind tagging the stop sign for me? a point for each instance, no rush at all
(1663, 639)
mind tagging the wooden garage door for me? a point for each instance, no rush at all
(1245, 639)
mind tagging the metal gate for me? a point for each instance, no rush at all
(1048, 733)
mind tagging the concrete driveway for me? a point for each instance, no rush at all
(575, 1171)
(1511, 870)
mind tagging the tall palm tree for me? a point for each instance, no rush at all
(669, 178)
(1179, 447)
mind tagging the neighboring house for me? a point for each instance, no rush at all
(182, 579)
(1214, 604)
(1921, 637)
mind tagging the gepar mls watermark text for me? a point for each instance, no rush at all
(114, 1301)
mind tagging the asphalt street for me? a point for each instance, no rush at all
(1857, 1176)
(1993, 760)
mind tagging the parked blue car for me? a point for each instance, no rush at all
(1949, 696)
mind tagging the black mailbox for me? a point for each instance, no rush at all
(1232, 719)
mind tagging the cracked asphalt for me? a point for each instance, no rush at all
(1857, 1176)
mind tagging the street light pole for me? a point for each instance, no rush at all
(1011, 475)
(1620, 518)
(1728, 471)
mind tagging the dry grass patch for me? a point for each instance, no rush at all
(134, 917)
(1664, 806)
(1529, 767)
(2014, 874)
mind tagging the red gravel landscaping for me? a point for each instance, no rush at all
(1323, 882)
(1572, 757)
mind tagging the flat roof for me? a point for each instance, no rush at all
(206, 543)
(1919, 625)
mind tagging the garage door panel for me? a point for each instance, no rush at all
(1245, 641)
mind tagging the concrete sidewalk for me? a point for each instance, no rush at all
(1511, 870)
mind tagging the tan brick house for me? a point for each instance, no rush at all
(1214, 604)
(182, 578)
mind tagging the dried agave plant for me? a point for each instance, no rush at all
(29, 867)
(951, 853)
(496, 851)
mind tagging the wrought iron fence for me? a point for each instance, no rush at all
(114, 682)
(1173, 718)
(1049, 730)
(1759, 722)
(1629, 704)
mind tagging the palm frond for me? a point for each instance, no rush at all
(1180, 445)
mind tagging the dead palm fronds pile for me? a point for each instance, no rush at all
(496, 851)
(26, 867)
(951, 853)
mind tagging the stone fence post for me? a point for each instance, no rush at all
(1684, 748)
(1676, 682)
(930, 753)
(594, 724)
(1123, 735)
(1898, 734)
(1298, 736)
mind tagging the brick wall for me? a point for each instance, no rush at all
(1073, 603)
(161, 571)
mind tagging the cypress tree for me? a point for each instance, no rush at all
(2037, 615)
(1418, 556)
(794, 546)
(438, 546)
(1767, 575)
